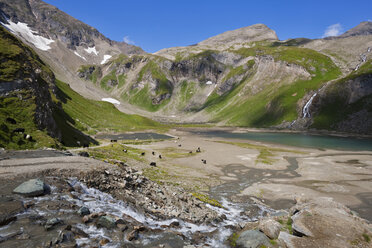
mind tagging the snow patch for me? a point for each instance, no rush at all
(26, 33)
(111, 100)
(105, 58)
(209, 83)
(91, 50)
(76, 53)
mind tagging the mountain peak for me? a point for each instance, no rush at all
(364, 28)
(256, 32)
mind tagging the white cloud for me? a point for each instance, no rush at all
(333, 30)
(127, 40)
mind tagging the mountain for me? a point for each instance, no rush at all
(62, 41)
(234, 79)
(36, 110)
(230, 39)
(244, 77)
(364, 28)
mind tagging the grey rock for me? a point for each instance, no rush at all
(300, 223)
(270, 228)
(83, 211)
(84, 154)
(287, 239)
(51, 223)
(8, 210)
(107, 222)
(252, 239)
(33, 187)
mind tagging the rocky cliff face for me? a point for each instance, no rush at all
(25, 82)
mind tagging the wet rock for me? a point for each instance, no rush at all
(65, 237)
(83, 154)
(86, 219)
(78, 232)
(23, 236)
(103, 242)
(10, 236)
(51, 223)
(106, 221)
(8, 210)
(174, 224)
(31, 188)
(28, 204)
(122, 227)
(270, 228)
(252, 239)
(133, 235)
(83, 211)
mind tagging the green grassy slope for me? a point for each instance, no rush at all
(18, 61)
(96, 116)
(335, 108)
(276, 103)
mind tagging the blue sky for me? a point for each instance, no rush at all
(157, 24)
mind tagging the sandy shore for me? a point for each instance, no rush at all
(345, 176)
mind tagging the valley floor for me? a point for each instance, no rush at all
(245, 180)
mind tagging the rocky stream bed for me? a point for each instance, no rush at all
(117, 206)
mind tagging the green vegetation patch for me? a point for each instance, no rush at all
(207, 199)
(18, 61)
(158, 175)
(164, 85)
(266, 153)
(142, 98)
(115, 151)
(109, 77)
(187, 91)
(22, 111)
(233, 238)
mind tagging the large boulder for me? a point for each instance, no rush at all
(270, 228)
(322, 222)
(33, 187)
(252, 239)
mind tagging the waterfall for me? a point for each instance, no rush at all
(363, 58)
(306, 109)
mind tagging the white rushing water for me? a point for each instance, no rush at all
(98, 201)
(306, 109)
(362, 59)
(215, 233)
